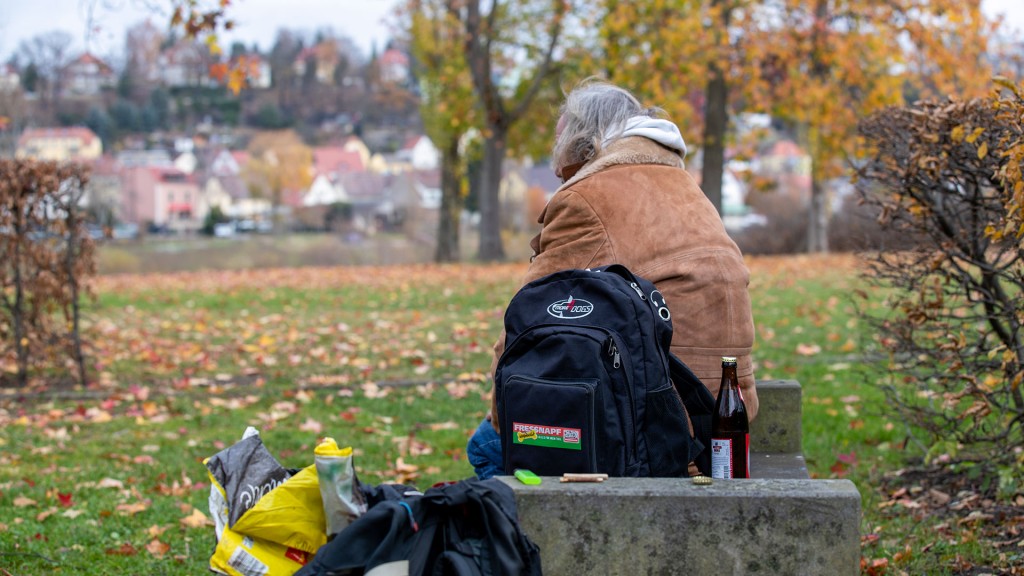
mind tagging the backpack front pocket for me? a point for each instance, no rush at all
(547, 425)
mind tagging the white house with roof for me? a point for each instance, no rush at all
(419, 153)
(10, 80)
(394, 66)
(324, 190)
(87, 75)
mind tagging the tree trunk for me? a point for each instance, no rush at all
(451, 206)
(18, 309)
(716, 121)
(491, 248)
(72, 255)
(817, 225)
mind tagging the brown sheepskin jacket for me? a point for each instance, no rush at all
(635, 205)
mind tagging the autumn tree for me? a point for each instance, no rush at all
(278, 161)
(48, 53)
(826, 64)
(510, 49)
(45, 257)
(949, 173)
(446, 108)
(687, 57)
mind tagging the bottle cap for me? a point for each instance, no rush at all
(728, 359)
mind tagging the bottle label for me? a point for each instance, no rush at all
(721, 458)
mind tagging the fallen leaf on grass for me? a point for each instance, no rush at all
(875, 567)
(311, 425)
(938, 497)
(22, 501)
(155, 531)
(3, 527)
(808, 349)
(125, 549)
(132, 509)
(46, 513)
(349, 415)
(195, 520)
(72, 514)
(110, 483)
(372, 390)
(65, 499)
(158, 548)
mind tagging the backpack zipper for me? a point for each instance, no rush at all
(639, 292)
(613, 352)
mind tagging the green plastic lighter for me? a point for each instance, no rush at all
(527, 477)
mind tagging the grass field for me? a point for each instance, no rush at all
(109, 479)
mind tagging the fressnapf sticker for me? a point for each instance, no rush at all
(547, 436)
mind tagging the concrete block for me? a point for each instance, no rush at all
(778, 426)
(663, 526)
(778, 465)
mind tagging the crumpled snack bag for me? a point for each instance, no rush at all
(291, 514)
(246, 471)
(240, 555)
(339, 487)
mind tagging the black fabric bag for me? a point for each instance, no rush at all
(587, 382)
(468, 528)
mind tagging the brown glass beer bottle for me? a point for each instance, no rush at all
(730, 429)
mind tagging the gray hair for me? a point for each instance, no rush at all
(594, 113)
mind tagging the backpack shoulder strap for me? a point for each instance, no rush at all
(700, 405)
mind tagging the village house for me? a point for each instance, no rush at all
(87, 76)
(162, 198)
(417, 153)
(394, 67)
(60, 144)
(186, 63)
(10, 80)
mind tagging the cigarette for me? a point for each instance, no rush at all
(582, 477)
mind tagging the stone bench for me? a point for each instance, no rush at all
(778, 522)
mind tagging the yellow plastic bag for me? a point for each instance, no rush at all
(239, 555)
(291, 514)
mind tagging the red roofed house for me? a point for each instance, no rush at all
(87, 75)
(336, 160)
(329, 163)
(60, 144)
(161, 196)
(394, 66)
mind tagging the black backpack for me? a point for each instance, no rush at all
(469, 528)
(587, 383)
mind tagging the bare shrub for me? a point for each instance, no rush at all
(785, 231)
(45, 256)
(856, 227)
(949, 172)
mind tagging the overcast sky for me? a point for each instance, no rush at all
(258, 20)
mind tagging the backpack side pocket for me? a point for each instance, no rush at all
(547, 425)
